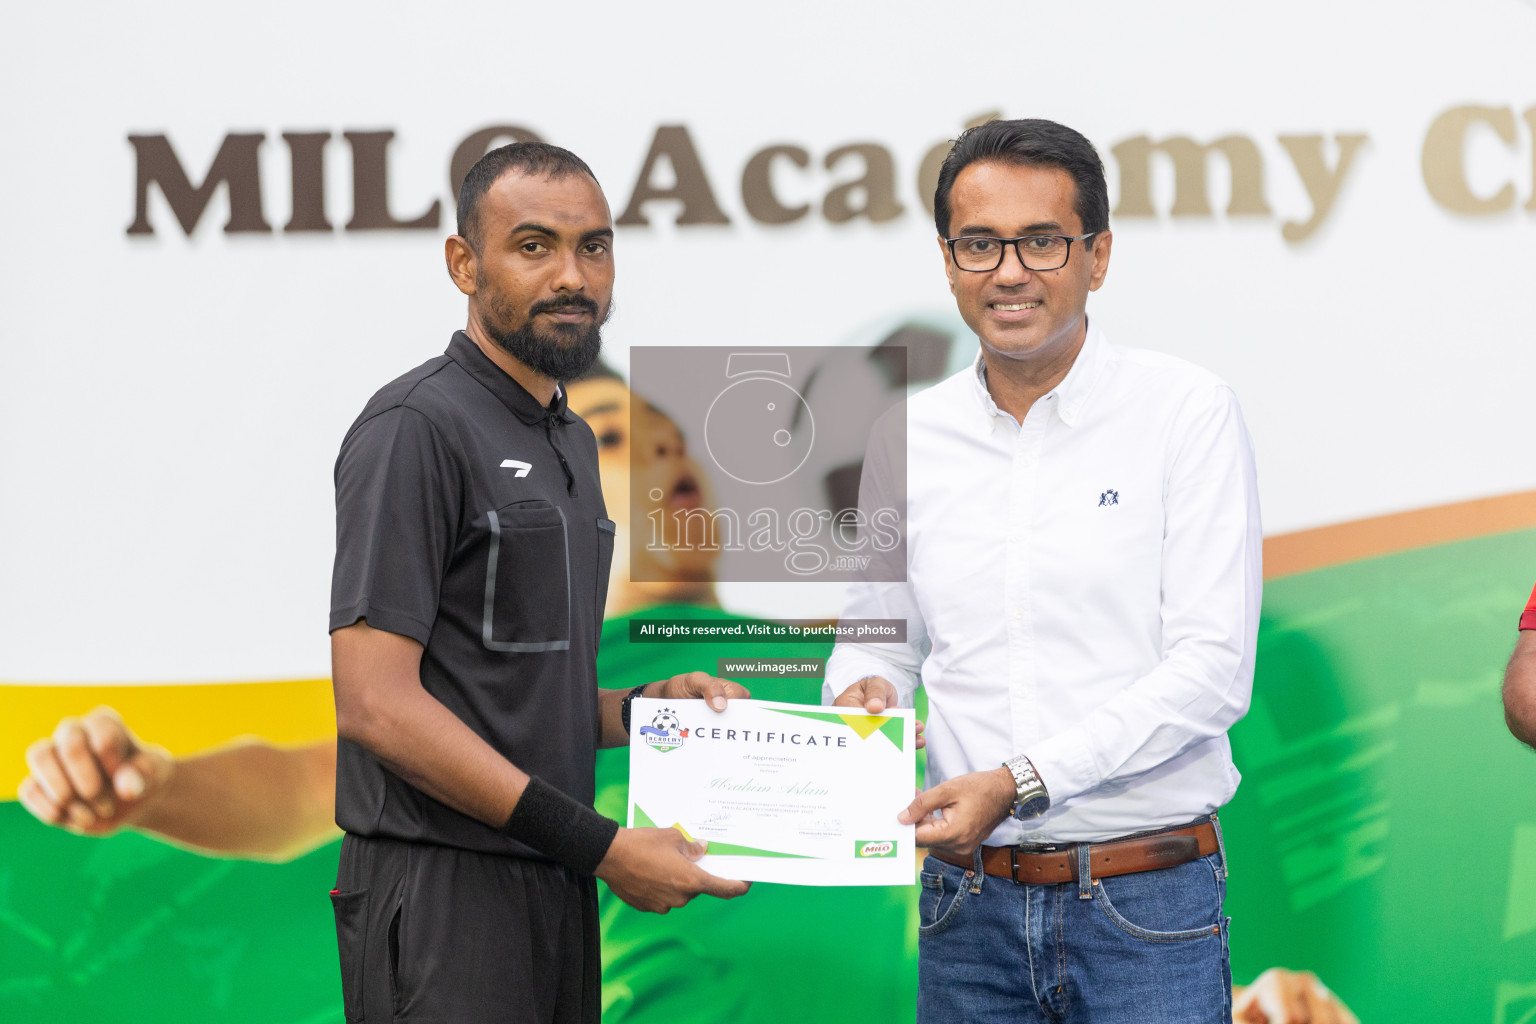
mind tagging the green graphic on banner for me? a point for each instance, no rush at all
(129, 930)
(1514, 1003)
(1384, 835)
(1520, 905)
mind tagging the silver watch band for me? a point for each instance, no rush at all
(1030, 797)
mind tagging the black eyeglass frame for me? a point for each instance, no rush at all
(1002, 251)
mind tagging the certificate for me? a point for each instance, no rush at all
(782, 792)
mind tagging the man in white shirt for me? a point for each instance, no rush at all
(1082, 549)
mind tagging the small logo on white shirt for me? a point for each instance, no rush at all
(521, 467)
(1107, 498)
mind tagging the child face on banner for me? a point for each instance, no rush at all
(647, 474)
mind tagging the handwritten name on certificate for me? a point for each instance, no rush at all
(782, 792)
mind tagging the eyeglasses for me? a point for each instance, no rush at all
(981, 253)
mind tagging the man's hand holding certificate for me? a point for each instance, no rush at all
(782, 792)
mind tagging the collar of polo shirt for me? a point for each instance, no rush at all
(501, 384)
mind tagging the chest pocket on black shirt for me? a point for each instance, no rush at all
(605, 537)
(527, 580)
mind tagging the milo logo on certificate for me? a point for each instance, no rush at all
(875, 848)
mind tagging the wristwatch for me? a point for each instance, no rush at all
(1030, 800)
(624, 705)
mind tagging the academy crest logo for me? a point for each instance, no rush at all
(665, 732)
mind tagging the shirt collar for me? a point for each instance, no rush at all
(1070, 394)
(504, 386)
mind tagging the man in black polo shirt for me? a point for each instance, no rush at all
(472, 556)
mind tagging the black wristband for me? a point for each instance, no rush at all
(566, 831)
(624, 706)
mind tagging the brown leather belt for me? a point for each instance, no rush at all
(1113, 857)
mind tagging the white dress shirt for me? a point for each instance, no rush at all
(1082, 588)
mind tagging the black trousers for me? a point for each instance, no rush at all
(437, 935)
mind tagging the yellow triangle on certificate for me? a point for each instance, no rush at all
(864, 725)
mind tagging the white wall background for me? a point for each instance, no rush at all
(170, 407)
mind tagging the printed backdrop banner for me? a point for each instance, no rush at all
(226, 231)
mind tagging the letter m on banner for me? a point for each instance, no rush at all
(234, 166)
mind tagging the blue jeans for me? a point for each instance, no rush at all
(1144, 948)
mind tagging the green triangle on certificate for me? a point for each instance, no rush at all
(817, 716)
(643, 820)
(719, 849)
(864, 725)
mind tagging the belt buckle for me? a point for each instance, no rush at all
(1013, 863)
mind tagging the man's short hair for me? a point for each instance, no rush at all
(1031, 142)
(535, 159)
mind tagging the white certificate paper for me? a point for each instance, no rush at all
(791, 793)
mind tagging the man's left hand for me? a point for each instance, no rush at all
(698, 686)
(971, 807)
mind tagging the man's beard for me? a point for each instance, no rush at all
(560, 351)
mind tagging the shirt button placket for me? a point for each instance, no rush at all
(1018, 587)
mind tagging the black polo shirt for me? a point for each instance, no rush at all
(470, 518)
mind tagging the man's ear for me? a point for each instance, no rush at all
(949, 266)
(462, 262)
(1102, 243)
